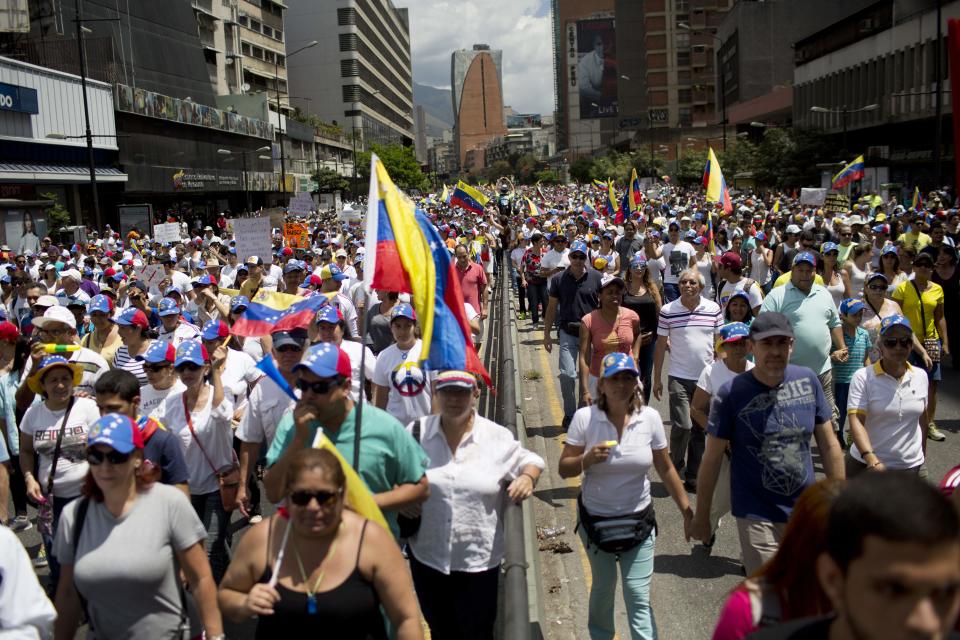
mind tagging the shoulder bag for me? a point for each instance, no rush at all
(617, 534)
(228, 476)
(410, 526)
(930, 345)
(45, 509)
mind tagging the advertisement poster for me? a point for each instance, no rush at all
(23, 229)
(597, 68)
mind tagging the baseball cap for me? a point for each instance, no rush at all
(792, 228)
(191, 351)
(730, 260)
(332, 271)
(340, 253)
(326, 360)
(805, 256)
(894, 321)
(205, 280)
(295, 337)
(923, 257)
(46, 300)
(237, 302)
(827, 247)
(159, 351)
(638, 261)
(293, 265)
(117, 431)
(609, 279)
(100, 303)
(769, 324)
(851, 305)
(253, 260)
(876, 275)
(403, 310)
(54, 315)
(456, 378)
(131, 316)
(734, 331)
(578, 247)
(168, 307)
(614, 363)
(8, 332)
(330, 314)
(214, 330)
(890, 248)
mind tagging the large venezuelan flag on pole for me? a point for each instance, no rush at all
(634, 190)
(613, 209)
(850, 173)
(397, 256)
(271, 311)
(917, 201)
(714, 183)
(468, 198)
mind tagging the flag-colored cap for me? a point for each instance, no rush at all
(117, 431)
(326, 360)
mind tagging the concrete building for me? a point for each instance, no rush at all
(477, 91)
(871, 79)
(420, 128)
(360, 74)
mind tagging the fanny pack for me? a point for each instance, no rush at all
(617, 534)
(572, 328)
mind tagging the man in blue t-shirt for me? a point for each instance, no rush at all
(766, 416)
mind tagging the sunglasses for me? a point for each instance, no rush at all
(188, 366)
(877, 287)
(156, 368)
(289, 348)
(579, 256)
(320, 387)
(96, 457)
(893, 342)
(323, 498)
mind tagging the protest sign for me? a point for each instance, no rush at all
(297, 235)
(837, 203)
(301, 205)
(813, 197)
(150, 274)
(168, 232)
(253, 238)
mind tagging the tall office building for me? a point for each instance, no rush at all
(360, 74)
(477, 82)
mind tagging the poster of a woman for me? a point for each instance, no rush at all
(29, 241)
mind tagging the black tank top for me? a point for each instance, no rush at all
(348, 611)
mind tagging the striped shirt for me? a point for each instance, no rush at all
(692, 335)
(857, 347)
(125, 362)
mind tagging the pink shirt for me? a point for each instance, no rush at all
(610, 338)
(736, 618)
(472, 280)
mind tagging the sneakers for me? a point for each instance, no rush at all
(19, 524)
(41, 560)
(935, 434)
(255, 519)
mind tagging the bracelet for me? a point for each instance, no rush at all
(532, 479)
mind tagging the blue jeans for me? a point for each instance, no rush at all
(670, 292)
(216, 521)
(841, 391)
(636, 572)
(569, 351)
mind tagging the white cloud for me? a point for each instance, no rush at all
(520, 28)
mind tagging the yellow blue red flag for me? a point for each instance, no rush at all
(468, 198)
(714, 183)
(850, 173)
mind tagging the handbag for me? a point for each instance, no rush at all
(410, 526)
(930, 345)
(228, 476)
(45, 508)
(617, 534)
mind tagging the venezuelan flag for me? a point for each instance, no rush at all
(917, 199)
(468, 198)
(850, 173)
(588, 207)
(445, 196)
(397, 255)
(714, 183)
(710, 244)
(450, 343)
(636, 197)
(612, 207)
(600, 184)
(271, 311)
(535, 211)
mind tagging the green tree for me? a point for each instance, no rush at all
(690, 169)
(400, 162)
(329, 181)
(497, 170)
(57, 216)
(741, 156)
(547, 176)
(524, 168)
(582, 170)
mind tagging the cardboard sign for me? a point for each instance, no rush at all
(253, 238)
(813, 197)
(297, 235)
(168, 232)
(151, 274)
(837, 203)
(301, 205)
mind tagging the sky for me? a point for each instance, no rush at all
(520, 28)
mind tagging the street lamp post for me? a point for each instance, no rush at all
(276, 85)
(845, 112)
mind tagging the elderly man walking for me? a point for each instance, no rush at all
(691, 323)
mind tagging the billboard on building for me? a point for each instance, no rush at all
(597, 68)
(524, 121)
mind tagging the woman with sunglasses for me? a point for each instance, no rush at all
(643, 298)
(124, 544)
(201, 414)
(890, 267)
(888, 407)
(322, 570)
(55, 431)
(105, 337)
(832, 278)
(134, 330)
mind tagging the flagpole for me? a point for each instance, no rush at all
(373, 198)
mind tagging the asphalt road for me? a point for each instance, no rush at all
(689, 585)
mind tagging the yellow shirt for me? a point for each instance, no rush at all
(785, 278)
(917, 239)
(906, 296)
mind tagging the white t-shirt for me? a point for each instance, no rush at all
(180, 334)
(620, 485)
(677, 257)
(238, 373)
(355, 350)
(472, 313)
(656, 266)
(43, 425)
(715, 374)
(555, 259)
(212, 425)
(755, 293)
(268, 403)
(151, 398)
(408, 383)
(253, 347)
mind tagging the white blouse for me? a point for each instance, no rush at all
(461, 528)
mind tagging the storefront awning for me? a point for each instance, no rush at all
(51, 173)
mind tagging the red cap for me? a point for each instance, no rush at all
(8, 332)
(139, 319)
(730, 260)
(287, 251)
(110, 272)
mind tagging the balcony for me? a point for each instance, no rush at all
(205, 7)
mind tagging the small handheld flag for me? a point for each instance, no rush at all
(468, 198)
(917, 199)
(634, 190)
